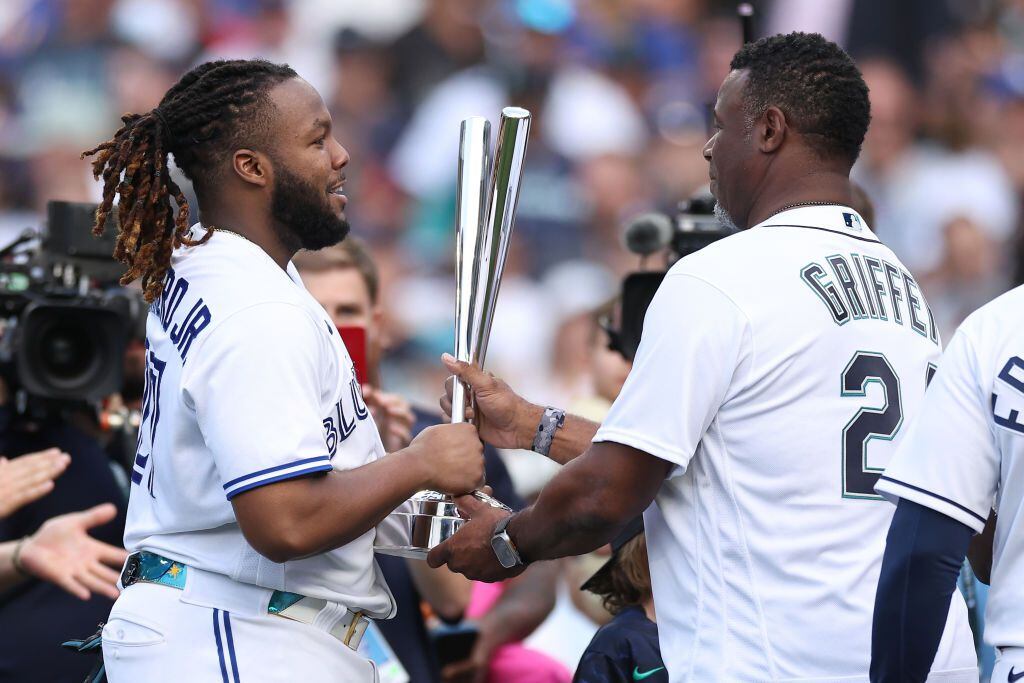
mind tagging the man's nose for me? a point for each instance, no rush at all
(340, 158)
(707, 149)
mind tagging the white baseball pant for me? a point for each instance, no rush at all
(155, 633)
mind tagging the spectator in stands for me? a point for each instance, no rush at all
(345, 281)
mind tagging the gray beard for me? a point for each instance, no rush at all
(725, 219)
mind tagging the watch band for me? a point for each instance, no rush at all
(500, 535)
(550, 421)
(502, 524)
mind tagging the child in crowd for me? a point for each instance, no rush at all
(626, 648)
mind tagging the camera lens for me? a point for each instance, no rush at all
(67, 353)
(71, 349)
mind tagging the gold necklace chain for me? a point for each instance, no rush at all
(797, 205)
(214, 228)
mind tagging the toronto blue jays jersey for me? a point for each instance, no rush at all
(247, 384)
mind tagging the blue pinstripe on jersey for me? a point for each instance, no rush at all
(231, 645)
(220, 647)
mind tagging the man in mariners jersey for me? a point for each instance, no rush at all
(776, 370)
(962, 455)
(259, 481)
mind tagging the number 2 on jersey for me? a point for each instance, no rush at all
(869, 423)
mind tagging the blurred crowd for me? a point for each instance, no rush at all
(620, 92)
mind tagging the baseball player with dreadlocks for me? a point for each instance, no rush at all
(260, 480)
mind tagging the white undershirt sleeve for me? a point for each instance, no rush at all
(695, 339)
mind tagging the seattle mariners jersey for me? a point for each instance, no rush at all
(776, 369)
(964, 453)
(247, 384)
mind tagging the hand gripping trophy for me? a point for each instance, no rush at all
(486, 207)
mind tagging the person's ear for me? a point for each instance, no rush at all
(377, 320)
(377, 315)
(251, 166)
(771, 130)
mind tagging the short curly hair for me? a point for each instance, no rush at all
(816, 85)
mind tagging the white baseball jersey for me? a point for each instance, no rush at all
(247, 384)
(776, 369)
(964, 452)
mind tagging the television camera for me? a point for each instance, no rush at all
(667, 239)
(64, 320)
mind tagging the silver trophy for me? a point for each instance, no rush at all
(486, 206)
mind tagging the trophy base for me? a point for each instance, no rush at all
(425, 532)
(435, 521)
(407, 551)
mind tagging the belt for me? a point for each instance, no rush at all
(147, 567)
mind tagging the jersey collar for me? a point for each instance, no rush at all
(831, 217)
(197, 231)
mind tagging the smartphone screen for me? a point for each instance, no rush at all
(454, 643)
(354, 339)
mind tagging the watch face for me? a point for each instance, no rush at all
(506, 556)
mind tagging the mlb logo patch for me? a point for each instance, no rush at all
(852, 221)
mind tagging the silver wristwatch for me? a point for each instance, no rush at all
(503, 547)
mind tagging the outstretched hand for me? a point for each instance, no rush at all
(63, 553)
(29, 477)
(469, 551)
(505, 419)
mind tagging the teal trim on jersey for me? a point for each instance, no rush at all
(879, 411)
